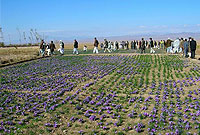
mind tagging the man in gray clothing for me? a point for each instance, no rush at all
(186, 48)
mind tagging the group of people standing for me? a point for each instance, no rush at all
(177, 46)
(188, 44)
(135, 45)
(182, 45)
(151, 44)
(49, 48)
(142, 44)
(95, 50)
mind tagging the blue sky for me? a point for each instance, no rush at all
(88, 18)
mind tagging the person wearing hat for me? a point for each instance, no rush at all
(61, 49)
(96, 43)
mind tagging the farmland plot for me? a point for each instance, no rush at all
(104, 94)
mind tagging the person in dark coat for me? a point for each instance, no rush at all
(106, 46)
(127, 45)
(96, 43)
(75, 51)
(193, 46)
(142, 46)
(117, 45)
(139, 43)
(52, 47)
(151, 45)
(41, 44)
(42, 47)
(155, 43)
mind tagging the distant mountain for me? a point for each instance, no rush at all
(155, 36)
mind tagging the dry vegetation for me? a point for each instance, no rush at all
(12, 54)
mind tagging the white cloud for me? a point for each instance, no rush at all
(142, 26)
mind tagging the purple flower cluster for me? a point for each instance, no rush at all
(128, 98)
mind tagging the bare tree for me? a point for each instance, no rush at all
(24, 34)
(37, 36)
(9, 39)
(20, 39)
(30, 40)
(1, 34)
(31, 37)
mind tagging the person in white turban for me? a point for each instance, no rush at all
(61, 49)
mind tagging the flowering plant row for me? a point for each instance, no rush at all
(113, 94)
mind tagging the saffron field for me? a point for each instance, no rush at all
(101, 94)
